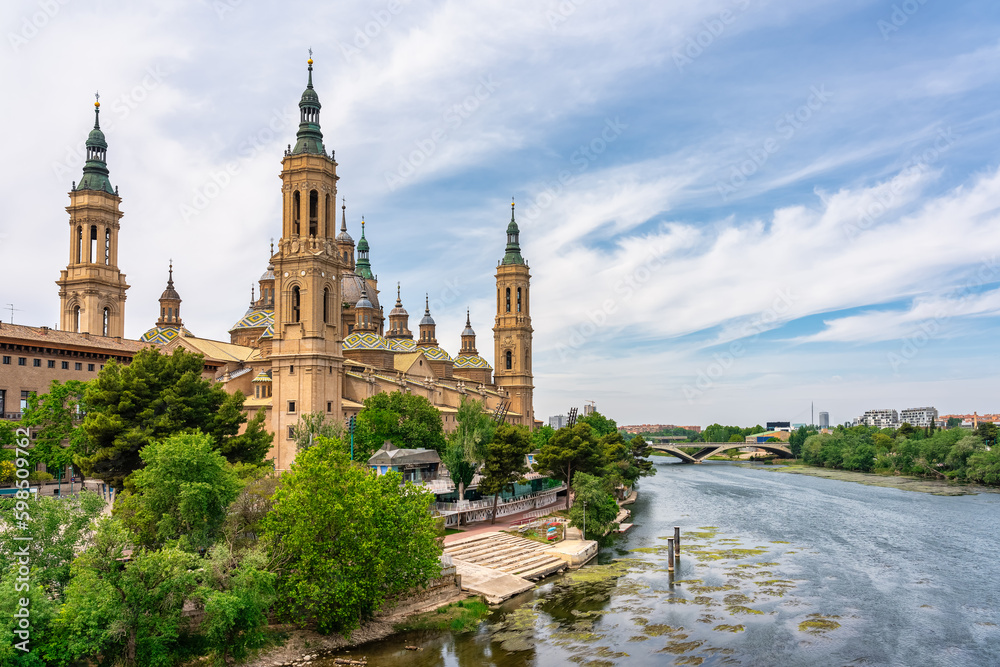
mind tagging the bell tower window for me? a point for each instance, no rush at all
(79, 245)
(519, 299)
(76, 319)
(509, 360)
(107, 247)
(296, 208)
(508, 299)
(93, 245)
(296, 302)
(326, 306)
(106, 325)
(313, 212)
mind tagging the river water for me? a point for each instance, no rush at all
(880, 576)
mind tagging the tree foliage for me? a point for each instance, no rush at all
(54, 419)
(313, 425)
(595, 507)
(125, 611)
(506, 462)
(625, 460)
(467, 444)
(181, 494)
(570, 450)
(155, 396)
(347, 539)
(600, 424)
(407, 420)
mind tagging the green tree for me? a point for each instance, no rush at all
(987, 431)
(954, 422)
(237, 594)
(571, 450)
(58, 529)
(346, 539)
(407, 420)
(30, 647)
(313, 425)
(541, 436)
(506, 462)
(125, 611)
(625, 461)
(468, 443)
(156, 396)
(182, 493)
(602, 425)
(54, 418)
(595, 506)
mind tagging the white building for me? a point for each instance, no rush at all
(557, 422)
(922, 417)
(884, 418)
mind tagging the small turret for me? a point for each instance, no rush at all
(170, 304)
(427, 326)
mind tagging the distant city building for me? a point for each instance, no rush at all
(883, 418)
(922, 417)
(782, 435)
(589, 408)
(557, 422)
(970, 421)
(779, 426)
(824, 420)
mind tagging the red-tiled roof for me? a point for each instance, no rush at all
(19, 334)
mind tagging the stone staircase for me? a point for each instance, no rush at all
(507, 553)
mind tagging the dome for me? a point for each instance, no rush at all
(471, 361)
(163, 335)
(255, 319)
(344, 237)
(427, 319)
(351, 286)
(170, 293)
(96, 138)
(436, 353)
(402, 345)
(309, 97)
(268, 274)
(365, 341)
(363, 302)
(398, 311)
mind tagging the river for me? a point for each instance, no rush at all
(879, 576)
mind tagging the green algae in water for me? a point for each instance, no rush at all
(739, 609)
(779, 542)
(818, 624)
(737, 599)
(711, 589)
(729, 628)
(689, 660)
(679, 647)
(705, 601)
(638, 638)
(658, 630)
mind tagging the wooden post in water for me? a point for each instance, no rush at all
(677, 540)
(670, 554)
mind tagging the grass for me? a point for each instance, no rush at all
(459, 617)
(452, 531)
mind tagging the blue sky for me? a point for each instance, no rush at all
(730, 208)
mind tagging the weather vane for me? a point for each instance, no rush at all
(97, 97)
(310, 52)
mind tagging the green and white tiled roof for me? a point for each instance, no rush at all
(471, 361)
(255, 319)
(163, 335)
(365, 341)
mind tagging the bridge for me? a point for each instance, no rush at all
(706, 449)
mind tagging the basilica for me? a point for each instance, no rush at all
(315, 338)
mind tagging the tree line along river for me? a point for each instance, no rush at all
(775, 569)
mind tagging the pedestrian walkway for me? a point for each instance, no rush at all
(507, 553)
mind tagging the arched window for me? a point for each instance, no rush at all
(510, 360)
(326, 302)
(295, 212)
(106, 326)
(296, 303)
(326, 215)
(79, 245)
(313, 213)
(93, 244)
(508, 299)
(519, 299)
(76, 319)
(107, 247)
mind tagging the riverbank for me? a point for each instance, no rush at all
(920, 485)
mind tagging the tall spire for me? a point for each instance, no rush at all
(309, 137)
(364, 267)
(513, 254)
(95, 171)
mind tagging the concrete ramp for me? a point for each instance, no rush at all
(499, 566)
(494, 585)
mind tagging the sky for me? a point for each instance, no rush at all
(732, 210)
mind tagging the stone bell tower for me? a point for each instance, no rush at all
(307, 361)
(91, 288)
(512, 331)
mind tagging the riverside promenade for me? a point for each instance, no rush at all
(498, 565)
